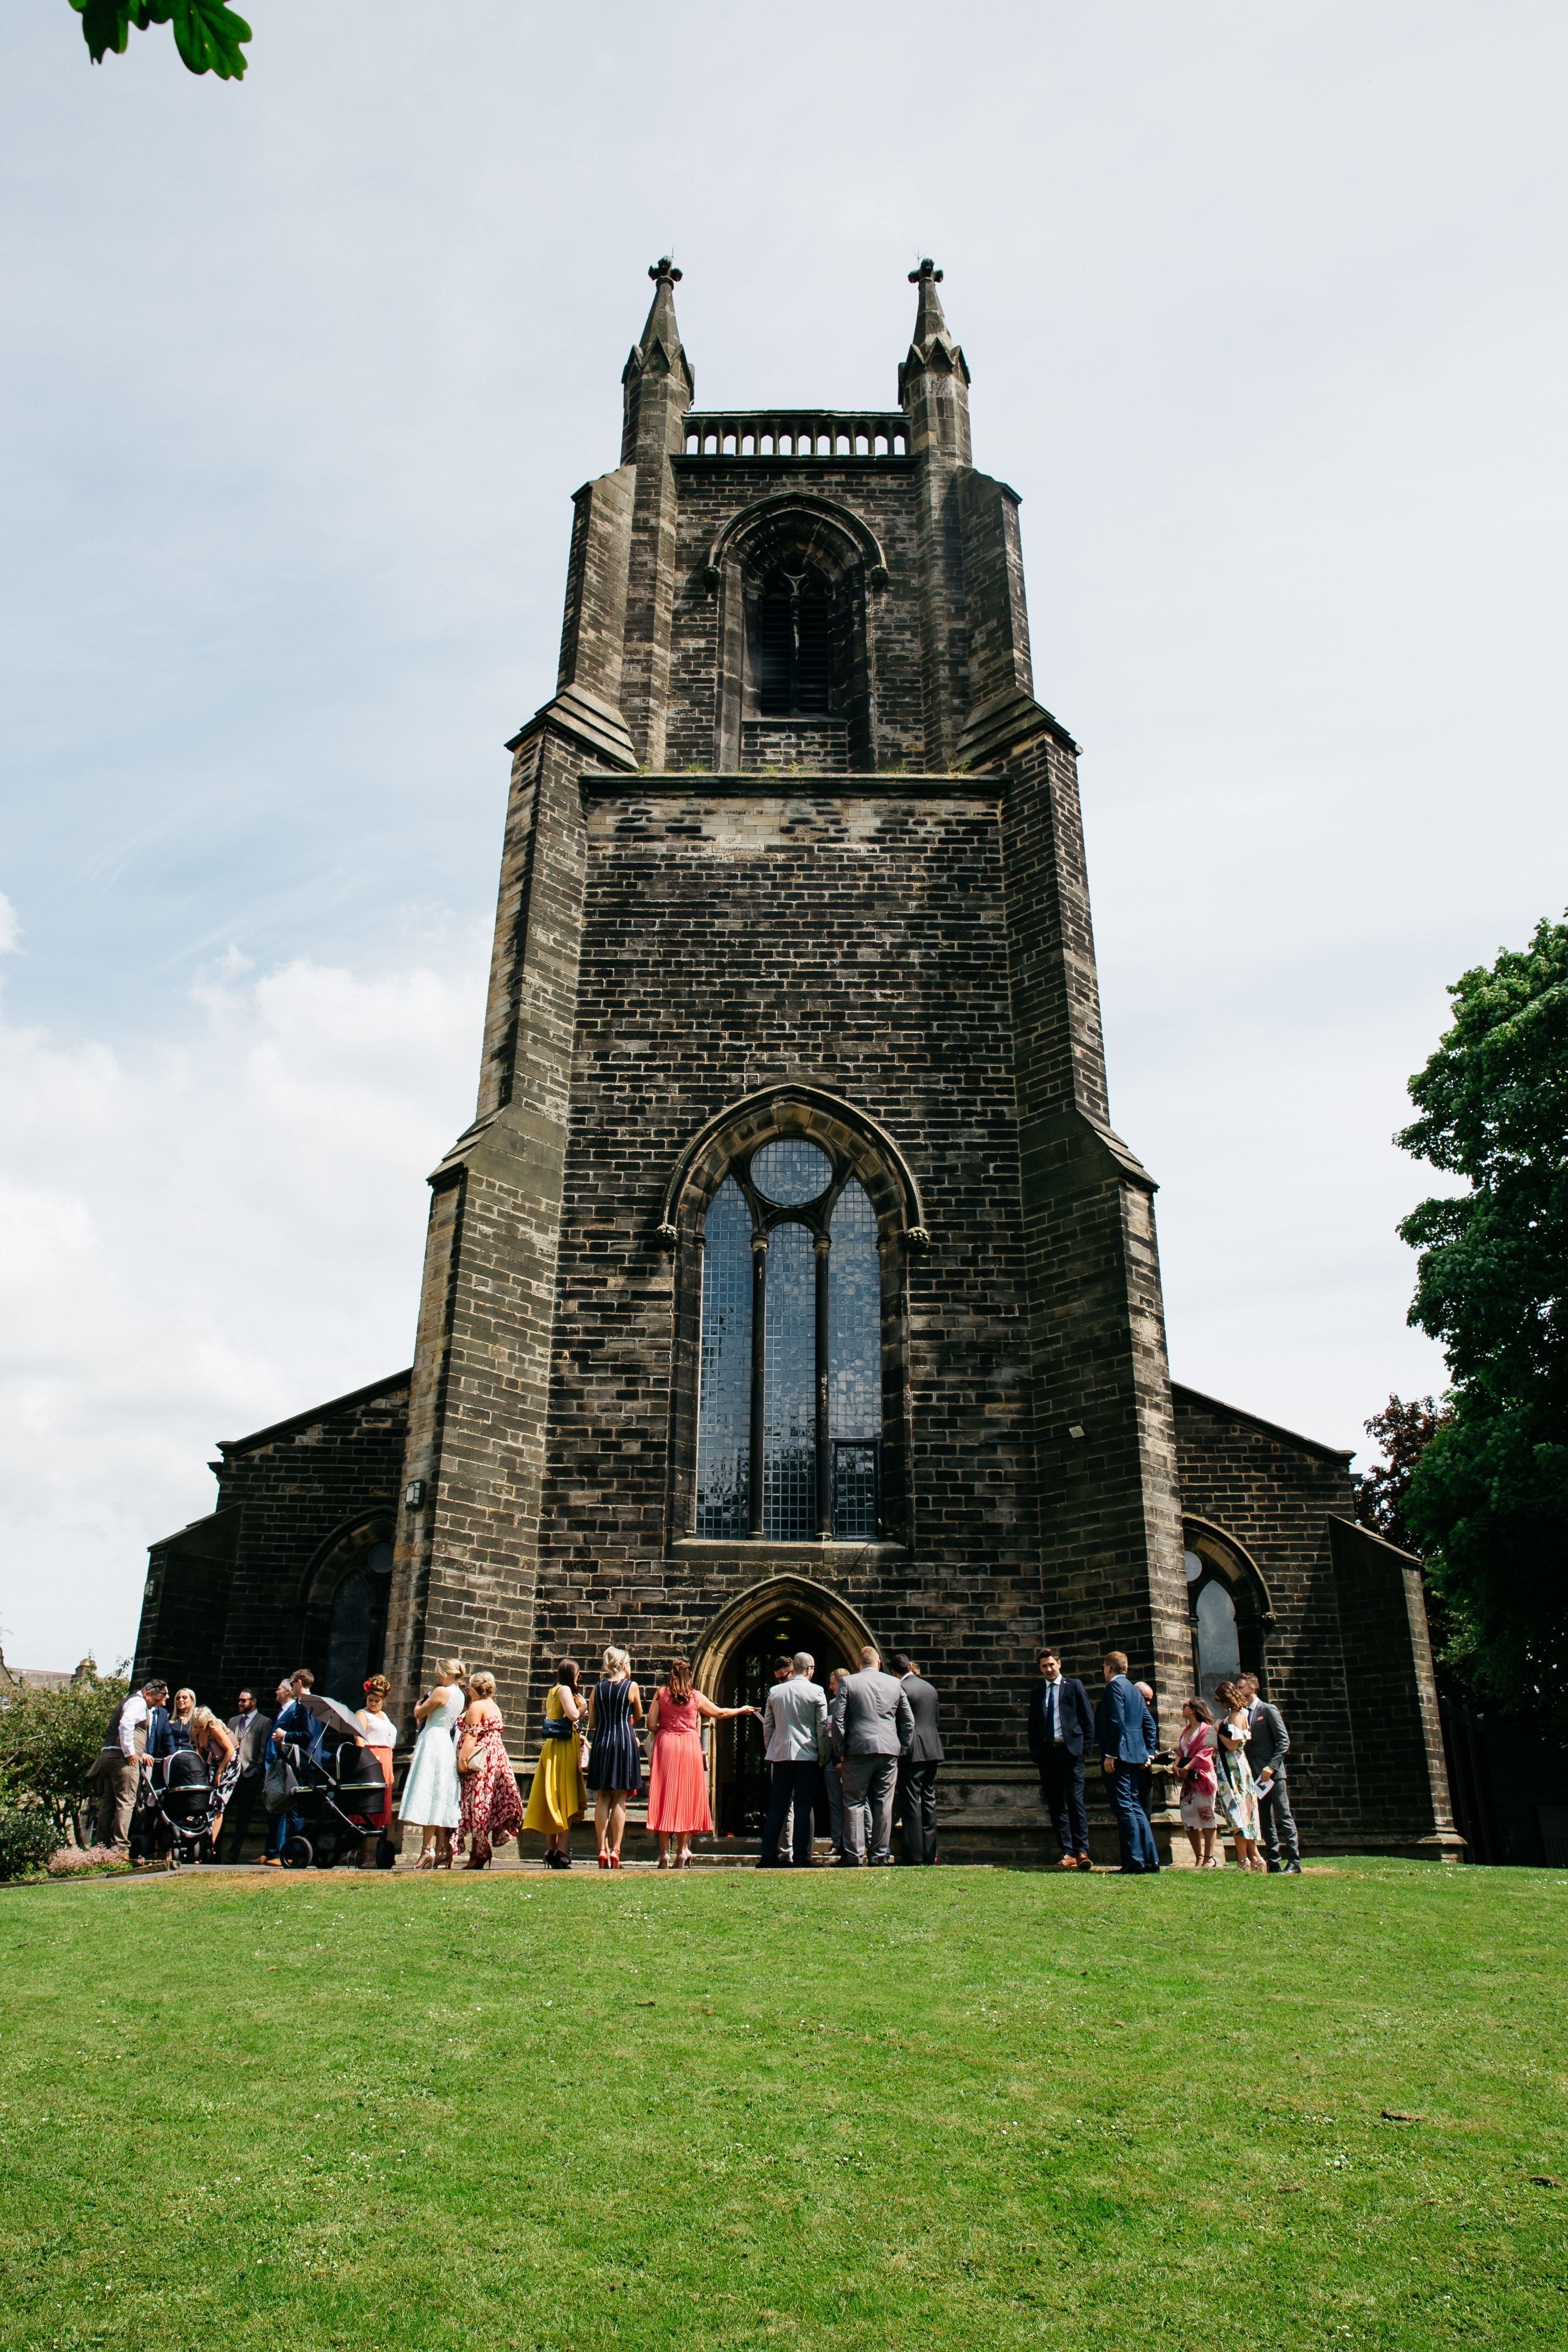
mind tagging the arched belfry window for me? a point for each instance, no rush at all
(789, 1418)
(794, 652)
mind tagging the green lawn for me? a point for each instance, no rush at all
(873, 2110)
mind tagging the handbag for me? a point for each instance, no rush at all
(275, 1790)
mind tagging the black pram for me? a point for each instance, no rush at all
(332, 1804)
(177, 1803)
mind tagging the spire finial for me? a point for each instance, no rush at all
(665, 268)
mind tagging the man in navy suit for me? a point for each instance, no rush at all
(1125, 1731)
(1061, 1724)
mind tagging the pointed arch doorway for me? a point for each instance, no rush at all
(734, 1664)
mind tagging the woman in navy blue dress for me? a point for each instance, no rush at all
(614, 1764)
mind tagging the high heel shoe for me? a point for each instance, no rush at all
(665, 1863)
(426, 1862)
(614, 1859)
(603, 1858)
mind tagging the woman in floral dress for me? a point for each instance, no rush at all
(492, 1812)
(1194, 1756)
(1236, 1791)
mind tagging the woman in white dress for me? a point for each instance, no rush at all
(433, 1794)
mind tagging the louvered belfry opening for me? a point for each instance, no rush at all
(794, 655)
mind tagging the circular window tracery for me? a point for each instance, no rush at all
(791, 1172)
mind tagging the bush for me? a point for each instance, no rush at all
(48, 1739)
(72, 1859)
(28, 1840)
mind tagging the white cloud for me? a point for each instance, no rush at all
(196, 1239)
(10, 928)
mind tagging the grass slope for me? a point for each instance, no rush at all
(878, 2110)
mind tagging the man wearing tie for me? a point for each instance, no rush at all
(249, 1729)
(1061, 1724)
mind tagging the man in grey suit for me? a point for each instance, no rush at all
(249, 1728)
(1267, 1746)
(795, 1722)
(871, 1725)
(919, 1763)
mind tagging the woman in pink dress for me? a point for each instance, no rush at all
(1194, 1755)
(678, 1778)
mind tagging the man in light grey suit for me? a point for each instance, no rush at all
(871, 1724)
(918, 1764)
(795, 1722)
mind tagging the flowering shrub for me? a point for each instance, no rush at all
(27, 1840)
(73, 1858)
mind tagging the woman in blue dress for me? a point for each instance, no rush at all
(615, 1764)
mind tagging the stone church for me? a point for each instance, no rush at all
(792, 1286)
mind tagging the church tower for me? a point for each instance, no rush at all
(791, 1286)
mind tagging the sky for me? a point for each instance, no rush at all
(1264, 310)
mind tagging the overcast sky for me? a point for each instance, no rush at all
(1264, 308)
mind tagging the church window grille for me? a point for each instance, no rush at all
(723, 1463)
(790, 1388)
(795, 661)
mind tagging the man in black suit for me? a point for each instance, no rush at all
(1061, 1724)
(918, 1763)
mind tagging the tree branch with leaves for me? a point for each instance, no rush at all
(208, 35)
(1487, 1500)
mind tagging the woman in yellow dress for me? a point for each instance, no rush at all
(558, 1796)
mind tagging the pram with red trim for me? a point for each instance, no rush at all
(337, 1799)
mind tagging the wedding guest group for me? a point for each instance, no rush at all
(854, 1759)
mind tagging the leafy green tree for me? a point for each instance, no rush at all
(48, 1739)
(1487, 1500)
(207, 35)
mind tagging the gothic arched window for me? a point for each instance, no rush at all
(1228, 1612)
(793, 657)
(789, 1420)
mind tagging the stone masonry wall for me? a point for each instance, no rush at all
(852, 942)
(283, 1496)
(1274, 1494)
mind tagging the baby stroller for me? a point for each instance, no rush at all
(335, 1802)
(177, 1805)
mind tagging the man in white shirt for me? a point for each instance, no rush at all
(118, 1766)
(795, 1722)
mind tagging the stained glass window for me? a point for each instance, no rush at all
(789, 1388)
(724, 1418)
(794, 1176)
(1219, 1648)
(855, 1363)
(791, 1171)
